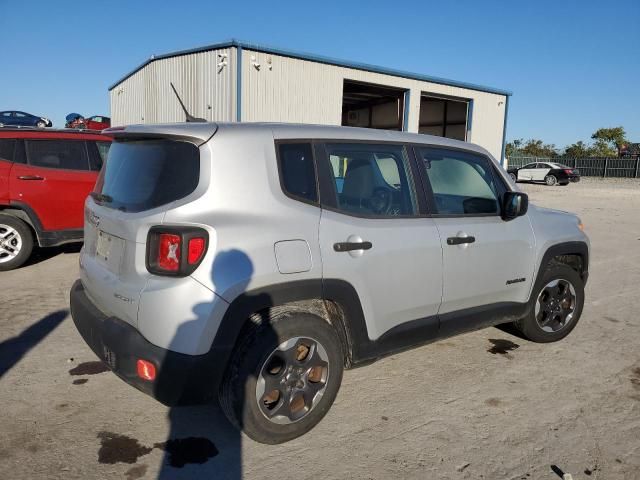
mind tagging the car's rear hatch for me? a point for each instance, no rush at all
(149, 171)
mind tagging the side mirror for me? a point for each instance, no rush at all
(514, 204)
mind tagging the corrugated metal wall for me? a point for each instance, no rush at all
(208, 91)
(284, 89)
(276, 88)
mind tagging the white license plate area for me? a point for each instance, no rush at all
(109, 250)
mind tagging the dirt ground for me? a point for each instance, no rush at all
(486, 405)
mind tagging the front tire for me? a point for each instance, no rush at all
(555, 305)
(16, 242)
(41, 124)
(514, 177)
(283, 376)
(550, 180)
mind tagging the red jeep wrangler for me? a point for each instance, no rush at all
(45, 176)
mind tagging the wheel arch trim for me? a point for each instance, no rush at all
(19, 213)
(43, 238)
(24, 212)
(579, 248)
(350, 324)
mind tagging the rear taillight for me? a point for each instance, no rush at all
(175, 251)
(196, 250)
(169, 252)
(146, 370)
(568, 171)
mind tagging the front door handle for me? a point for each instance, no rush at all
(460, 240)
(351, 246)
(30, 177)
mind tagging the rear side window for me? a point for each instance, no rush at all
(297, 171)
(462, 183)
(370, 180)
(61, 154)
(7, 147)
(142, 175)
(98, 152)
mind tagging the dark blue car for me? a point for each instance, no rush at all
(23, 119)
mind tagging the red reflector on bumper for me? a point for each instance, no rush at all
(146, 370)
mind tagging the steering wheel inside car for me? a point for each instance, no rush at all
(381, 200)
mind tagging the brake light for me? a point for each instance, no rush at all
(196, 250)
(175, 251)
(146, 370)
(568, 170)
(169, 252)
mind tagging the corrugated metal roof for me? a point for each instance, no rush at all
(319, 59)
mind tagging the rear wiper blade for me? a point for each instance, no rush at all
(101, 197)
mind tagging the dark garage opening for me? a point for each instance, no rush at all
(444, 117)
(372, 106)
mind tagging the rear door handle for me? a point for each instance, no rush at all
(30, 177)
(460, 240)
(350, 246)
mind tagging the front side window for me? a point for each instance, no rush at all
(61, 154)
(297, 171)
(370, 180)
(462, 183)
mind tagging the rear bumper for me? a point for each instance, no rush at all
(180, 379)
(574, 178)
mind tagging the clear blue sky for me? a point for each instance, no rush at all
(574, 66)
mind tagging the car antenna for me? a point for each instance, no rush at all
(189, 117)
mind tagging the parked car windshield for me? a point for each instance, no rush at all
(141, 175)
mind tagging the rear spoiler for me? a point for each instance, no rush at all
(198, 133)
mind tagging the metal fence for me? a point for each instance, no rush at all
(590, 167)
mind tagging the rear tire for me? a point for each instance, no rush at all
(550, 180)
(513, 177)
(16, 242)
(271, 393)
(555, 305)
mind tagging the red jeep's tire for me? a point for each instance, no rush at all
(16, 242)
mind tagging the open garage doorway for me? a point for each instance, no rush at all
(444, 116)
(372, 106)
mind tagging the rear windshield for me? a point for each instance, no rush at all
(142, 175)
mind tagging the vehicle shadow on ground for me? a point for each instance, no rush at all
(202, 443)
(43, 254)
(13, 349)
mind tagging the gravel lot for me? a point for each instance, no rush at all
(486, 405)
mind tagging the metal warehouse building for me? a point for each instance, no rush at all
(238, 81)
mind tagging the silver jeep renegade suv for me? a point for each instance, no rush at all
(252, 263)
